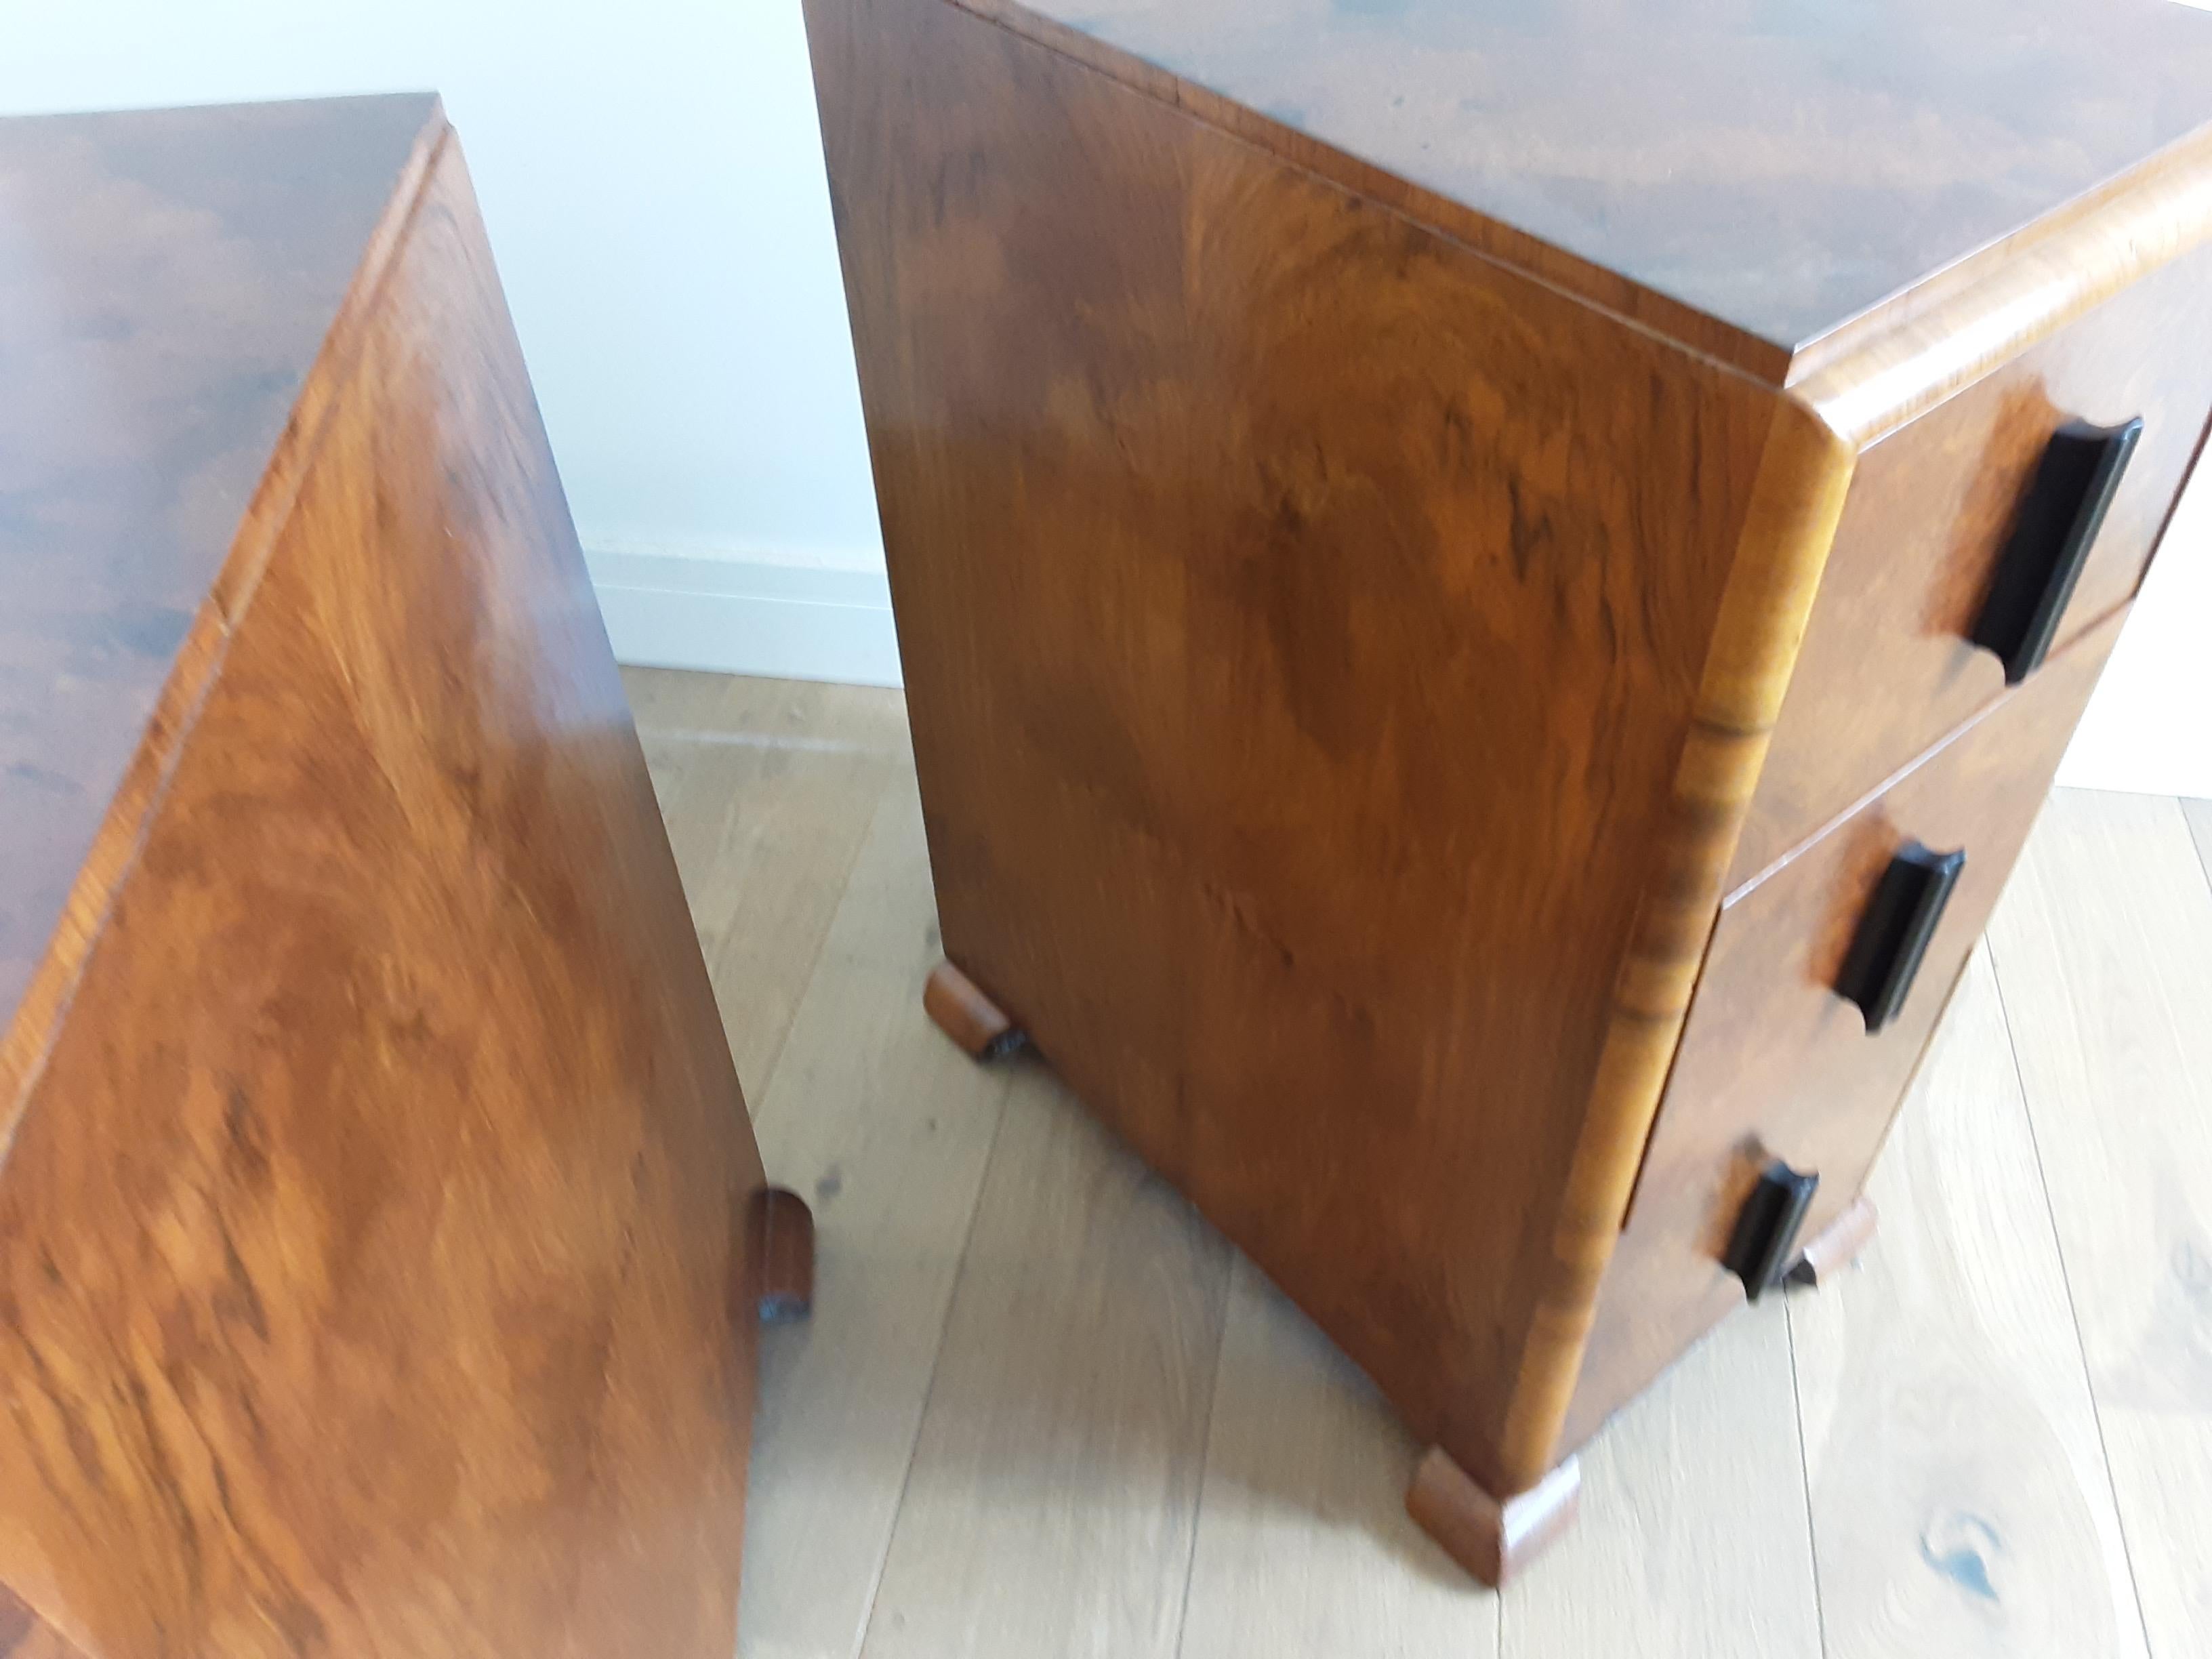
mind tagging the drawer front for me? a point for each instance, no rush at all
(1888, 666)
(1775, 1063)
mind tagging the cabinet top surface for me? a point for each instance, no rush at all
(165, 279)
(1782, 165)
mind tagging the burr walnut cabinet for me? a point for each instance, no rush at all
(1488, 593)
(380, 1227)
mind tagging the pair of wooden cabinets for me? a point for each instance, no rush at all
(1488, 600)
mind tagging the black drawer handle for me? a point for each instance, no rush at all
(1765, 1237)
(2058, 522)
(1893, 933)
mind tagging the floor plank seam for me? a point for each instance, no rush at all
(2073, 1311)
(2203, 842)
(1805, 1474)
(805, 980)
(936, 1359)
(1295, 1562)
(1206, 1441)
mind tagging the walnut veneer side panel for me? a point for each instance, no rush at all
(1303, 618)
(1774, 1063)
(367, 1242)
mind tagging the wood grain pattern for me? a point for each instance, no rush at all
(146, 395)
(2106, 1002)
(1780, 170)
(160, 413)
(1055, 1489)
(370, 1232)
(887, 1129)
(1895, 362)
(1960, 1503)
(1349, 625)
(1304, 1547)
(1214, 499)
(1774, 1063)
(1800, 489)
(1887, 666)
(1497, 238)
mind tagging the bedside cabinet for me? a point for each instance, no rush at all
(381, 1231)
(1488, 594)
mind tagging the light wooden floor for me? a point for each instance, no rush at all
(1042, 1409)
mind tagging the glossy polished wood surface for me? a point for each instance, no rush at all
(376, 1268)
(1355, 647)
(24, 1635)
(1774, 1063)
(1795, 503)
(1888, 666)
(1210, 516)
(145, 382)
(1493, 1541)
(1778, 167)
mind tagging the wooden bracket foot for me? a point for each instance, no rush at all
(1837, 1246)
(783, 1246)
(1492, 1540)
(967, 1016)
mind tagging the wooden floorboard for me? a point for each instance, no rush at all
(885, 1129)
(1042, 1409)
(1960, 1503)
(1305, 1548)
(1054, 1491)
(1693, 1542)
(767, 787)
(2103, 948)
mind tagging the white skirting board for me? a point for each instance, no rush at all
(2149, 728)
(778, 618)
